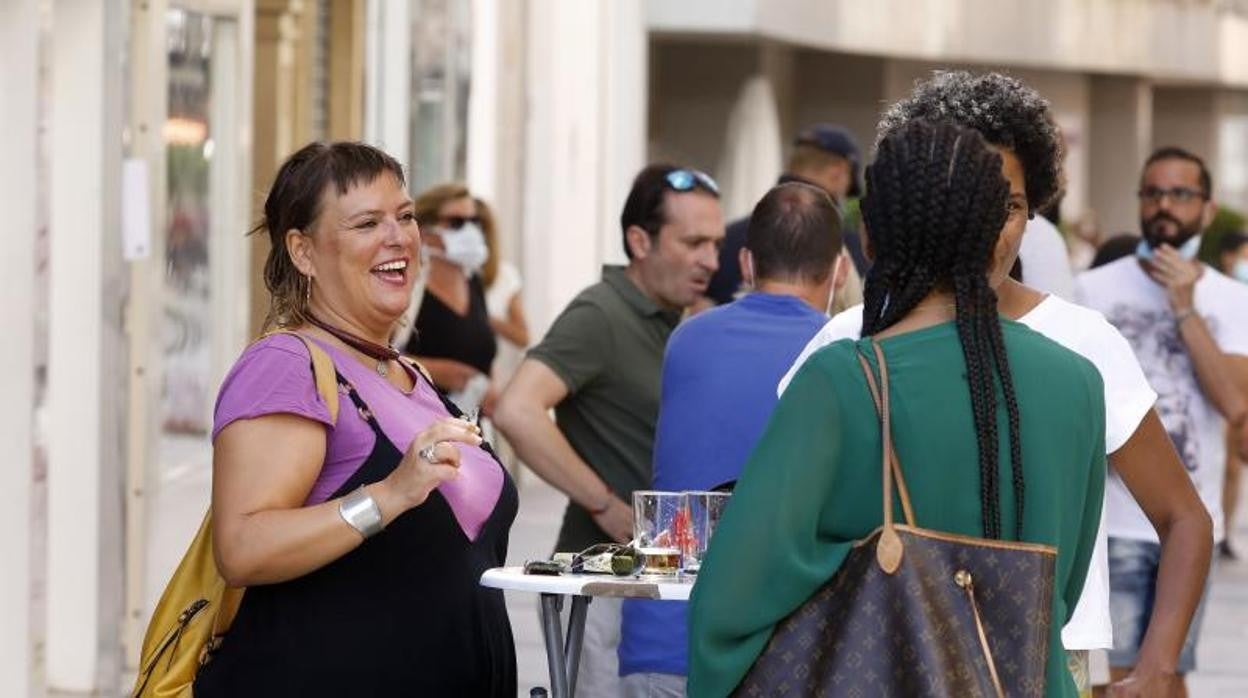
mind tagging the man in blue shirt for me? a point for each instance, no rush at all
(719, 380)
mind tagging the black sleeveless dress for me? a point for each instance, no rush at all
(442, 333)
(401, 615)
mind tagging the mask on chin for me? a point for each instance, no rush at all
(836, 271)
(1187, 250)
(1186, 241)
(464, 247)
(1240, 271)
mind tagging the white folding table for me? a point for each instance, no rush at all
(563, 652)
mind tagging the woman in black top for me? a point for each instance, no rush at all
(453, 337)
(335, 605)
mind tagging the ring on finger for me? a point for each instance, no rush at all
(427, 453)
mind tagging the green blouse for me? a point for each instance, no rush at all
(812, 485)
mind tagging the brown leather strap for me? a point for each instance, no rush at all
(889, 549)
(895, 460)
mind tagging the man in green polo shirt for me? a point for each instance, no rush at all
(598, 367)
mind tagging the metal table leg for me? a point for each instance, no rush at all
(552, 631)
(563, 654)
(576, 638)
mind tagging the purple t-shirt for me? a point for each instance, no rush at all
(274, 375)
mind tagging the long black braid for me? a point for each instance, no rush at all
(935, 206)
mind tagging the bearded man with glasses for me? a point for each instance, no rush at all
(1186, 323)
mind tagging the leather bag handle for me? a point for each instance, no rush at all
(889, 550)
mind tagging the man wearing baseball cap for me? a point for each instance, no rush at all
(825, 156)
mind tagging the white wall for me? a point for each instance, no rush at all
(1230, 180)
(585, 75)
(86, 375)
(19, 66)
(1119, 138)
(1194, 41)
(692, 92)
(387, 77)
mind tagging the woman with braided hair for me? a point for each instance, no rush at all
(1000, 431)
(1017, 120)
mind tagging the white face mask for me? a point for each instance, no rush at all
(836, 270)
(1240, 270)
(464, 247)
(1188, 250)
(748, 277)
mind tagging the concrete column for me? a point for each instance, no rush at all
(86, 348)
(1230, 180)
(622, 108)
(1187, 117)
(19, 140)
(1120, 135)
(148, 111)
(510, 123)
(586, 64)
(346, 70)
(842, 89)
(388, 77)
(272, 125)
(483, 100)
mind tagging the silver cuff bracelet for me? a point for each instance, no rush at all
(360, 510)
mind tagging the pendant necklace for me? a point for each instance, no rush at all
(381, 353)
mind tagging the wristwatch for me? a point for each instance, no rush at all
(360, 510)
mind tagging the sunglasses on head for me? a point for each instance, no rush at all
(686, 180)
(457, 222)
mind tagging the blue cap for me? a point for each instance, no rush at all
(837, 140)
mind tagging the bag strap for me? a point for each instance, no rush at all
(895, 460)
(889, 550)
(323, 371)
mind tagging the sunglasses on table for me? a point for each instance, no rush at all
(686, 180)
(457, 222)
(1179, 195)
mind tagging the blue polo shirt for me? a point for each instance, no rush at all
(720, 372)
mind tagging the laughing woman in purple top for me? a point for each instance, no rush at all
(360, 540)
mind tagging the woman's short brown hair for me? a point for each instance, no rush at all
(431, 201)
(489, 228)
(294, 203)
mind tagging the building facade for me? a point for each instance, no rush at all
(140, 137)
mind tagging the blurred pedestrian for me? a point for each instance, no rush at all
(719, 377)
(453, 335)
(299, 500)
(1114, 249)
(598, 368)
(506, 308)
(1184, 321)
(824, 156)
(1233, 261)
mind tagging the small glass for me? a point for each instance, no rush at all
(660, 520)
(703, 511)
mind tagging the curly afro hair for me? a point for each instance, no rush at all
(1006, 112)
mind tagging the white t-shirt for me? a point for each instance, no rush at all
(1128, 398)
(505, 287)
(1046, 261)
(1138, 307)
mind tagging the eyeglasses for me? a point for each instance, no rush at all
(457, 222)
(686, 180)
(623, 558)
(1179, 195)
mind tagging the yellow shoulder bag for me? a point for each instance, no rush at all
(197, 608)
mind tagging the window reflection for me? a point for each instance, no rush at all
(441, 60)
(186, 314)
